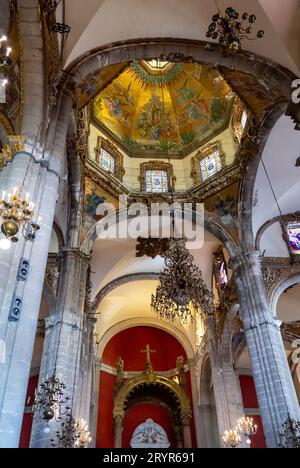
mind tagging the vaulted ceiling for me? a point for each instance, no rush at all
(158, 106)
(102, 22)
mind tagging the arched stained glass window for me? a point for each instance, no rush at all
(208, 162)
(211, 165)
(157, 181)
(157, 177)
(107, 161)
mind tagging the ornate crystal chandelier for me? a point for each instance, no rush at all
(73, 434)
(231, 28)
(247, 427)
(182, 292)
(16, 214)
(84, 436)
(50, 402)
(232, 439)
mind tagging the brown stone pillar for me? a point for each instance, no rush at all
(118, 430)
(187, 434)
(178, 437)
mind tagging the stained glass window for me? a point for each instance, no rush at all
(244, 120)
(157, 181)
(107, 161)
(293, 231)
(222, 276)
(211, 165)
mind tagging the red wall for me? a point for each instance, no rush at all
(128, 345)
(250, 402)
(139, 414)
(27, 419)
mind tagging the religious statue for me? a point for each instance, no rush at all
(150, 435)
(181, 371)
(120, 374)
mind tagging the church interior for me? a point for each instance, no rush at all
(122, 121)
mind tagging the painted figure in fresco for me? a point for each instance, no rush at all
(155, 122)
(92, 201)
(225, 208)
(120, 103)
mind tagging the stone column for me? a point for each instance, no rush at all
(223, 416)
(178, 437)
(41, 182)
(63, 339)
(118, 432)
(86, 372)
(210, 433)
(187, 434)
(274, 385)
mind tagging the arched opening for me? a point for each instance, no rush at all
(135, 399)
(208, 412)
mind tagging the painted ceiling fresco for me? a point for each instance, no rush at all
(155, 108)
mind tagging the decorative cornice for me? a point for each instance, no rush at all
(104, 180)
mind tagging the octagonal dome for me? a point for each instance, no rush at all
(153, 108)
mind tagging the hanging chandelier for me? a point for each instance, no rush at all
(50, 402)
(73, 434)
(232, 439)
(181, 292)
(5, 51)
(231, 28)
(247, 427)
(17, 214)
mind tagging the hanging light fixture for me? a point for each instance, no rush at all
(181, 292)
(84, 436)
(16, 214)
(247, 427)
(5, 51)
(50, 402)
(232, 439)
(73, 434)
(231, 28)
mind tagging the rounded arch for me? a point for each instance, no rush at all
(147, 322)
(176, 49)
(292, 280)
(176, 391)
(210, 223)
(207, 407)
(261, 69)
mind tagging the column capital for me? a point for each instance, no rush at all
(76, 254)
(246, 259)
(186, 417)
